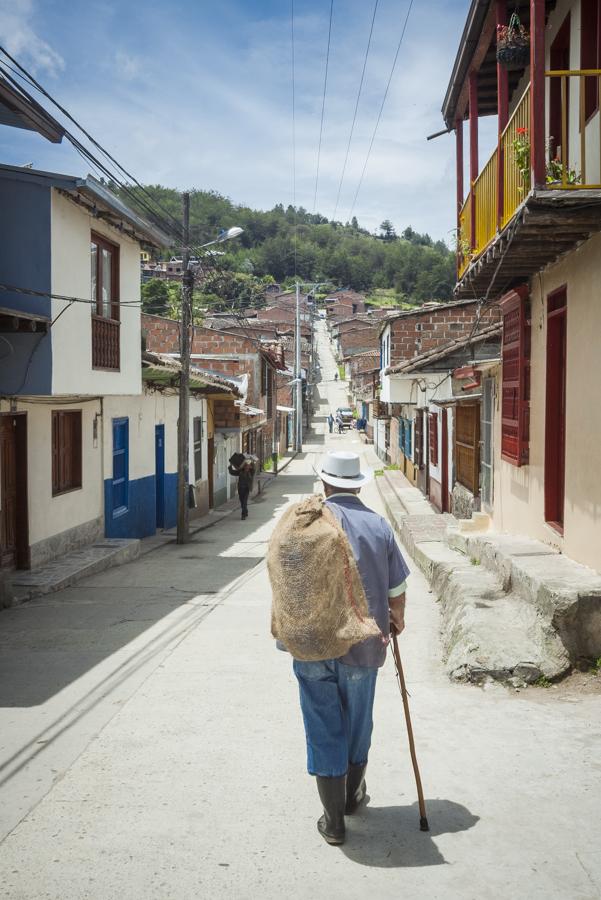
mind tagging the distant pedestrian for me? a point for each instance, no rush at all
(330, 423)
(336, 376)
(339, 423)
(244, 471)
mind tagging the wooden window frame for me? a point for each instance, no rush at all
(515, 377)
(106, 339)
(103, 244)
(67, 437)
(433, 438)
(197, 447)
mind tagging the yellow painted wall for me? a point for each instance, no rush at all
(519, 492)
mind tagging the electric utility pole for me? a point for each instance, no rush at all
(183, 424)
(298, 405)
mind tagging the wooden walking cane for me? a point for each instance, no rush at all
(423, 821)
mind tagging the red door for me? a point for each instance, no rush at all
(555, 418)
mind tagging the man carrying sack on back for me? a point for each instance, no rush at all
(338, 582)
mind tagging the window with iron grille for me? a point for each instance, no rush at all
(66, 451)
(515, 393)
(197, 434)
(433, 422)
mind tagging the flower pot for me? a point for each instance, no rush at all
(514, 56)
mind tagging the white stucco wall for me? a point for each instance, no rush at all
(48, 515)
(519, 492)
(144, 412)
(72, 371)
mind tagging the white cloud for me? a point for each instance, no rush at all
(22, 42)
(207, 104)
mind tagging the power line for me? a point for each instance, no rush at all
(323, 104)
(350, 137)
(373, 137)
(174, 223)
(293, 131)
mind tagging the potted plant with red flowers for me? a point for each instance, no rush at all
(513, 44)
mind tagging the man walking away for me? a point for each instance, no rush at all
(337, 695)
(339, 423)
(245, 472)
(330, 422)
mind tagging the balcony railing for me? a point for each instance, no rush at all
(105, 343)
(513, 189)
(573, 159)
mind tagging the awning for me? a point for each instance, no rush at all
(286, 409)
(249, 410)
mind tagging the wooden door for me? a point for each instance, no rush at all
(8, 491)
(14, 536)
(555, 418)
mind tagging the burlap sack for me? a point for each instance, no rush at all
(319, 609)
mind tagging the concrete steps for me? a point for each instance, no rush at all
(512, 609)
(72, 567)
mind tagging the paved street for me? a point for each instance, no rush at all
(152, 747)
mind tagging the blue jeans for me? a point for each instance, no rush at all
(337, 702)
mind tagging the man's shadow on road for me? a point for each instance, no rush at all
(388, 837)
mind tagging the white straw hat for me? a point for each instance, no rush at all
(340, 468)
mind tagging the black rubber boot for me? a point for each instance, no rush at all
(355, 788)
(332, 793)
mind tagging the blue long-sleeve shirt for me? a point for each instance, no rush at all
(381, 566)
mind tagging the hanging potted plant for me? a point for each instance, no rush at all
(513, 44)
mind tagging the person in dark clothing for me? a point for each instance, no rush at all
(331, 423)
(244, 472)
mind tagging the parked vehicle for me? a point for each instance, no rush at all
(346, 414)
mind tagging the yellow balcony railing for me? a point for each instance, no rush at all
(485, 197)
(464, 252)
(572, 158)
(514, 190)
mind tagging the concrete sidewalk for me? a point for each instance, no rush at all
(152, 746)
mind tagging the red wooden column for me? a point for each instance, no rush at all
(502, 114)
(473, 103)
(459, 159)
(537, 91)
(459, 176)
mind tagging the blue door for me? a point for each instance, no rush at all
(120, 485)
(159, 455)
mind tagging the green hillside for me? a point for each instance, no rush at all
(410, 267)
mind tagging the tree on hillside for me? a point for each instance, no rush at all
(155, 297)
(387, 229)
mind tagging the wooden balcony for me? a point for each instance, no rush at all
(509, 230)
(105, 343)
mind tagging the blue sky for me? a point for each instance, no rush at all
(192, 94)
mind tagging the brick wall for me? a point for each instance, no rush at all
(359, 339)
(411, 335)
(226, 414)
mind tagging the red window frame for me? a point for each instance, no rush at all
(515, 387)
(433, 425)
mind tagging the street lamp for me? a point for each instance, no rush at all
(183, 425)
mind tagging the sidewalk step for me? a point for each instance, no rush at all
(72, 567)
